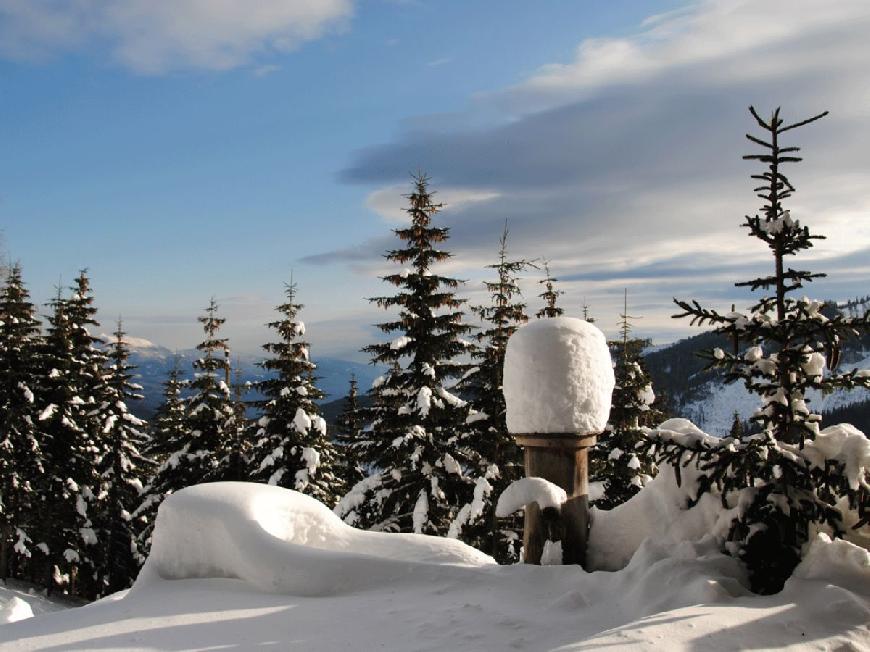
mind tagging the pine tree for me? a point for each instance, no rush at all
(586, 315)
(198, 442)
(236, 448)
(348, 434)
(789, 344)
(168, 442)
(418, 476)
(209, 408)
(122, 469)
(737, 430)
(167, 432)
(72, 400)
(498, 458)
(550, 295)
(291, 446)
(20, 452)
(619, 460)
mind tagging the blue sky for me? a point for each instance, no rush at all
(183, 150)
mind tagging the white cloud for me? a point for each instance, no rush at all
(728, 39)
(157, 36)
(390, 202)
(623, 165)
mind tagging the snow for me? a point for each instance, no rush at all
(421, 511)
(659, 512)
(14, 609)
(520, 493)
(558, 377)
(19, 601)
(845, 444)
(248, 566)
(301, 421)
(401, 342)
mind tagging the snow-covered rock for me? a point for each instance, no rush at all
(558, 377)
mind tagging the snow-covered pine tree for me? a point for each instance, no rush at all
(418, 466)
(550, 295)
(71, 398)
(194, 447)
(790, 348)
(349, 427)
(168, 442)
(20, 452)
(291, 448)
(234, 453)
(498, 459)
(122, 470)
(166, 431)
(620, 460)
(209, 409)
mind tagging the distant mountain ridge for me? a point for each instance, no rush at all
(153, 362)
(676, 371)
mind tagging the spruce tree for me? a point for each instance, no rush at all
(550, 295)
(498, 460)
(348, 433)
(168, 442)
(20, 451)
(167, 427)
(72, 401)
(620, 461)
(210, 407)
(122, 469)
(235, 449)
(291, 448)
(782, 347)
(198, 443)
(418, 468)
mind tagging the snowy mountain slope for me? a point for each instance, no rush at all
(714, 408)
(685, 597)
(701, 395)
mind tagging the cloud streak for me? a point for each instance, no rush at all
(158, 36)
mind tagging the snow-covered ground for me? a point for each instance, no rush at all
(242, 566)
(19, 600)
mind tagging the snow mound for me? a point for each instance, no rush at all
(282, 541)
(836, 561)
(14, 609)
(520, 493)
(659, 512)
(845, 444)
(558, 377)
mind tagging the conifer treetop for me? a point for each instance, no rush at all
(549, 295)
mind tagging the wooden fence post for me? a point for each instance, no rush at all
(563, 460)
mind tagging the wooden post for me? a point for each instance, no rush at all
(563, 460)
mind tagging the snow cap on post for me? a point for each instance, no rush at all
(558, 378)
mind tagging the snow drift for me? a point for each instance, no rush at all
(282, 541)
